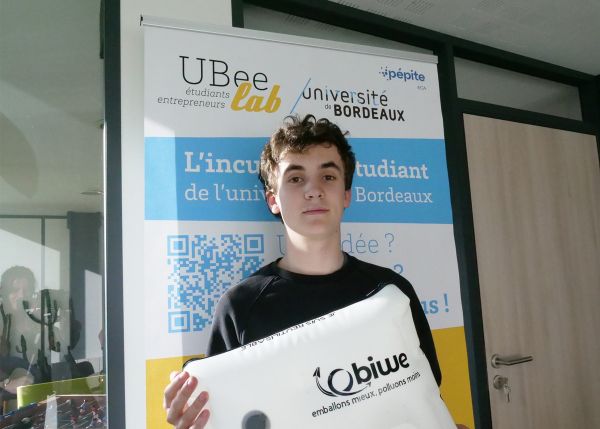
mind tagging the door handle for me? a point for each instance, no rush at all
(498, 361)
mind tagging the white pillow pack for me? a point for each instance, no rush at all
(358, 367)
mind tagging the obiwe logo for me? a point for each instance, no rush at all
(342, 382)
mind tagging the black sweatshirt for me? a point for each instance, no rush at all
(273, 299)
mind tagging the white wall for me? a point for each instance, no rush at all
(132, 141)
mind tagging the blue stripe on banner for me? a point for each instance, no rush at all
(400, 181)
(396, 181)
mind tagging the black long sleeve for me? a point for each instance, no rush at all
(273, 299)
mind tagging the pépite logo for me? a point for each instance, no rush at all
(402, 75)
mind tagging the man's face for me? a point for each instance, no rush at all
(19, 292)
(310, 194)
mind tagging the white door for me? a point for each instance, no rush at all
(536, 211)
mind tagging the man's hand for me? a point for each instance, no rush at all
(177, 394)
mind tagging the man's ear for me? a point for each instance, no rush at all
(347, 198)
(272, 203)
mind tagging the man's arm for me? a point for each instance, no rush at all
(224, 334)
(422, 327)
(426, 338)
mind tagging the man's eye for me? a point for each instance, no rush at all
(295, 179)
(329, 177)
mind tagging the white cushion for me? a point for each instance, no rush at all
(359, 367)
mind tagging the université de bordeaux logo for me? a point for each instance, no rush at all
(343, 382)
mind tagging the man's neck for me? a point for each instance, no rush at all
(314, 257)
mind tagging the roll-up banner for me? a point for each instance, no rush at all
(213, 96)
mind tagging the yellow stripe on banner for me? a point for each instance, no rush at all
(157, 378)
(451, 350)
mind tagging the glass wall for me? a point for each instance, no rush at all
(51, 215)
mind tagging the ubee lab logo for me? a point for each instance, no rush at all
(402, 75)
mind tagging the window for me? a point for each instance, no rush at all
(494, 85)
(51, 213)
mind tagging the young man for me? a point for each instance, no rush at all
(17, 284)
(306, 169)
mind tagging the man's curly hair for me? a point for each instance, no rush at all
(297, 136)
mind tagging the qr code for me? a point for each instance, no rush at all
(202, 268)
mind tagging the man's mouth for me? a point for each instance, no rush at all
(317, 210)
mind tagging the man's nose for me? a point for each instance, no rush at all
(313, 190)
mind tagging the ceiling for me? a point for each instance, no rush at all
(561, 32)
(51, 80)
